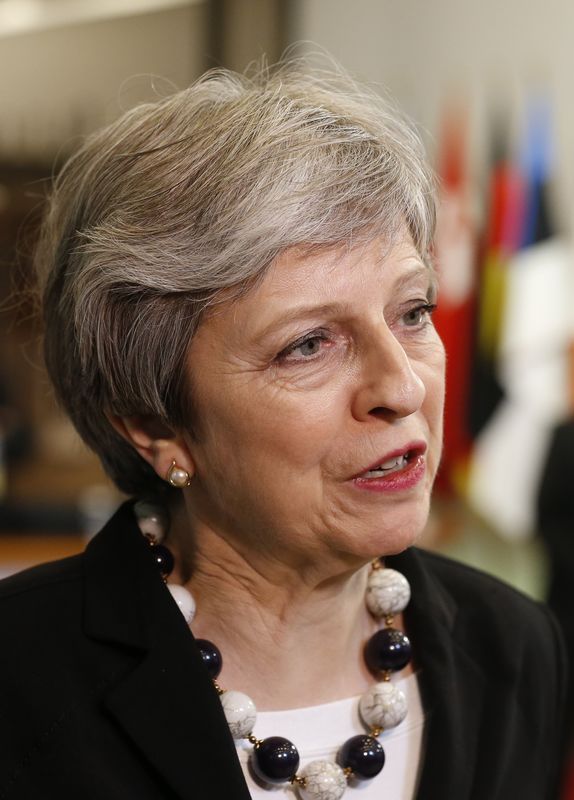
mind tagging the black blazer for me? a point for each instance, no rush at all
(104, 696)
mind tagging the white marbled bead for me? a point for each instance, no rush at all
(240, 713)
(184, 600)
(152, 520)
(383, 706)
(324, 780)
(388, 592)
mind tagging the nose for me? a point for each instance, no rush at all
(388, 385)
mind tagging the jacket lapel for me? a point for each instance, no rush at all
(452, 685)
(166, 704)
(170, 710)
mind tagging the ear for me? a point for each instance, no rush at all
(155, 441)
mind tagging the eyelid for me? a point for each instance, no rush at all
(423, 311)
(316, 333)
(423, 306)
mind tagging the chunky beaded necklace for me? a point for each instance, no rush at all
(275, 760)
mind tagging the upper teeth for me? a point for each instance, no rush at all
(392, 462)
(398, 462)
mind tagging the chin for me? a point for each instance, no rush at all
(401, 535)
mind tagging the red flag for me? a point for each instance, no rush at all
(455, 255)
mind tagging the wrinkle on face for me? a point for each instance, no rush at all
(277, 444)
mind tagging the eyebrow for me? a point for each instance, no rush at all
(421, 270)
(337, 309)
(302, 312)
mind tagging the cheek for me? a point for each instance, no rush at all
(287, 429)
(432, 373)
(298, 431)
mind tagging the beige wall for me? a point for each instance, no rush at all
(67, 80)
(490, 51)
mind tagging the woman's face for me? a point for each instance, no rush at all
(328, 369)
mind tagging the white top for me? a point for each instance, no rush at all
(319, 731)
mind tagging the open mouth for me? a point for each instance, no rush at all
(389, 466)
(396, 462)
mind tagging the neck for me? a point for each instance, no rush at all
(289, 638)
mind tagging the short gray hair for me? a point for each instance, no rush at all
(197, 193)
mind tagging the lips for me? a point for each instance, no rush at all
(390, 466)
(394, 461)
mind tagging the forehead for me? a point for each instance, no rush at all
(302, 280)
(329, 270)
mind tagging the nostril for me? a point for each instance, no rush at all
(380, 411)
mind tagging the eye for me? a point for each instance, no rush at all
(305, 348)
(419, 315)
(310, 346)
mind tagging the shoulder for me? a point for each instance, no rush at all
(43, 576)
(472, 588)
(503, 628)
(43, 601)
(52, 578)
(479, 595)
(500, 655)
(57, 581)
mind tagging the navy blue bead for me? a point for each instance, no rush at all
(211, 657)
(275, 760)
(163, 558)
(387, 649)
(363, 754)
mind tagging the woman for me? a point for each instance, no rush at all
(238, 299)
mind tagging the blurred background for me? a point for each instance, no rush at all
(489, 85)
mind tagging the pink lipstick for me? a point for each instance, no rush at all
(396, 471)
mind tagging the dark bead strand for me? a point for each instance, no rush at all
(387, 650)
(362, 754)
(211, 656)
(163, 559)
(275, 759)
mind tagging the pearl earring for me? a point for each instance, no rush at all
(177, 476)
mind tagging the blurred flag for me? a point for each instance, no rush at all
(455, 258)
(534, 332)
(501, 238)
